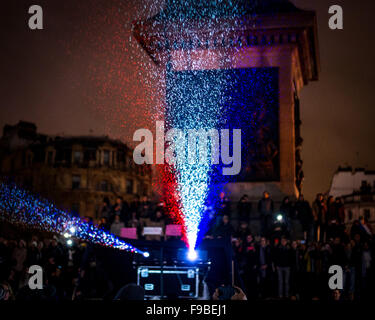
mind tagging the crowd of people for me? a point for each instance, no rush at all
(300, 270)
(270, 262)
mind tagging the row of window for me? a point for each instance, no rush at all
(80, 157)
(366, 213)
(106, 186)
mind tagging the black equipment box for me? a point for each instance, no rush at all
(166, 281)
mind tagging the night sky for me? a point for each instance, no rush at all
(86, 74)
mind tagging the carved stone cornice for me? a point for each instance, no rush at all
(159, 37)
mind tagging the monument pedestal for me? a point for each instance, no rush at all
(272, 35)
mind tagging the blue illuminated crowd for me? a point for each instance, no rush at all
(271, 260)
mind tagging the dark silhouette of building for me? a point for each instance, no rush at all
(77, 173)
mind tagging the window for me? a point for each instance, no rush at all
(49, 157)
(67, 156)
(29, 159)
(366, 214)
(77, 156)
(142, 189)
(129, 186)
(75, 209)
(23, 158)
(104, 185)
(106, 158)
(129, 163)
(350, 215)
(89, 155)
(76, 182)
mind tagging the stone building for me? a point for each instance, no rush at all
(357, 190)
(77, 173)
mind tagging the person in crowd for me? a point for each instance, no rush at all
(120, 209)
(357, 246)
(224, 204)
(105, 209)
(239, 253)
(304, 215)
(6, 293)
(349, 270)
(288, 212)
(19, 255)
(34, 255)
(336, 295)
(250, 266)
(133, 221)
(135, 206)
(265, 209)
(287, 208)
(156, 221)
(355, 229)
(338, 256)
(239, 258)
(104, 224)
(340, 210)
(366, 232)
(282, 260)
(311, 258)
(244, 208)
(296, 269)
(224, 229)
(145, 211)
(130, 292)
(319, 210)
(222, 207)
(366, 271)
(56, 250)
(225, 293)
(5, 258)
(116, 226)
(264, 267)
(332, 218)
(243, 230)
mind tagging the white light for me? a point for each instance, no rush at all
(146, 254)
(72, 230)
(279, 217)
(192, 255)
(69, 242)
(66, 235)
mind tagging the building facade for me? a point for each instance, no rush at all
(357, 190)
(76, 173)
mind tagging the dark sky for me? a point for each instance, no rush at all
(46, 78)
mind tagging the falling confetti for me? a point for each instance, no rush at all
(131, 91)
(20, 207)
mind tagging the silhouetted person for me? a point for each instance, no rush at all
(265, 209)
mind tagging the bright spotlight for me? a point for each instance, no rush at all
(69, 242)
(66, 235)
(72, 230)
(279, 217)
(192, 255)
(146, 254)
